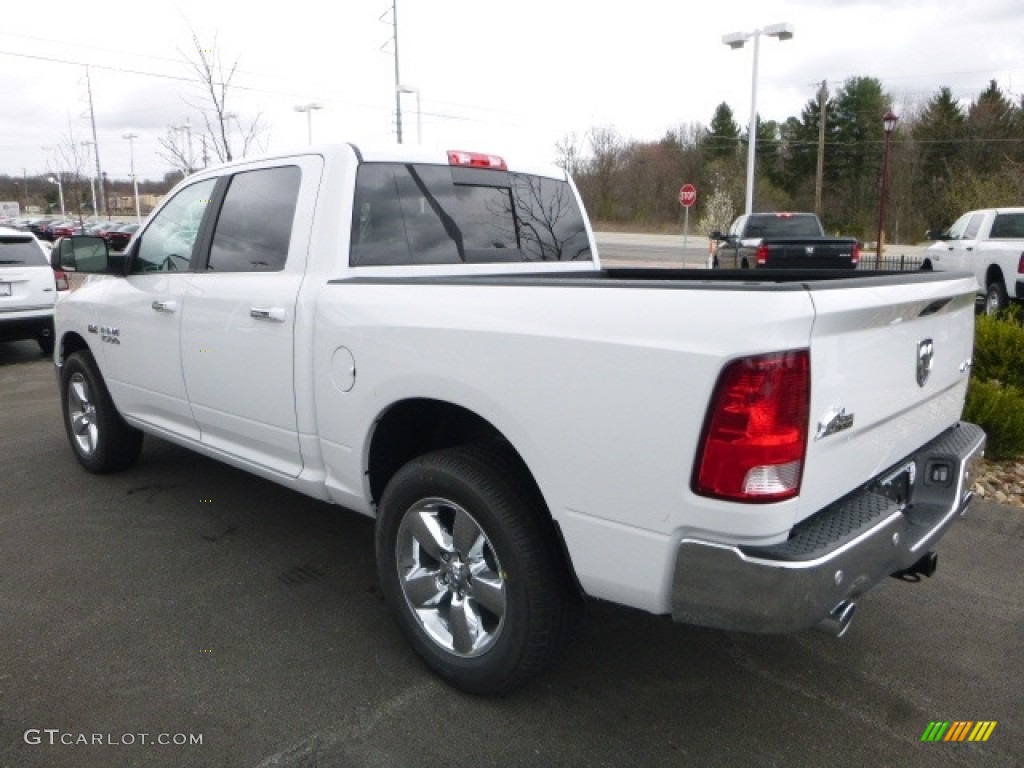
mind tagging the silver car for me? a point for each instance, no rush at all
(28, 289)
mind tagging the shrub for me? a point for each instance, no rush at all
(999, 410)
(999, 350)
(995, 397)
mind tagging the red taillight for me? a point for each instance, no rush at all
(855, 256)
(476, 160)
(762, 255)
(61, 278)
(755, 433)
(1020, 265)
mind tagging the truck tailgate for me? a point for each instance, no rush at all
(890, 360)
(810, 253)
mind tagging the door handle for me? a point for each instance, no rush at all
(274, 314)
(165, 306)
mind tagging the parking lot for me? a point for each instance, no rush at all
(184, 613)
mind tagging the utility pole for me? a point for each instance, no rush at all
(398, 80)
(819, 176)
(95, 145)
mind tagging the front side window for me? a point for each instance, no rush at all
(974, 226)
(254, 227)
(435, 214)
(956, 231)
(166, 244)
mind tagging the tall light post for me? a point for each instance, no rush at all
(60, 191)
(308, 109)
(419, 113)
(135, 182)
(889, 124)
(736, 40)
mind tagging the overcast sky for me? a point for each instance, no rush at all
(512, 78)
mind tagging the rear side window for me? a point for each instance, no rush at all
(254, 227)
(1008, 225)
(21, 251)
(435, 214)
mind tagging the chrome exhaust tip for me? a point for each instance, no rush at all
(837, 622)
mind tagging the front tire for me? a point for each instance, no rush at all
(470, 566)
(100, 438)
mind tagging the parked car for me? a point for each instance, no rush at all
(28, 289)
(38, 226)
(120, 237)
(66, 229)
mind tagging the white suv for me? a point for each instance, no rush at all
(28, 289)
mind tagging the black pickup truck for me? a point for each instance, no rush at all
(781, 240)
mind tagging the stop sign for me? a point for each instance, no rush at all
(687, 195)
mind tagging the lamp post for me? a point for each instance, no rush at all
(736, 40)
(889, 124)
(419, 113)
(60, 191)
(308, 109)
(135, 182)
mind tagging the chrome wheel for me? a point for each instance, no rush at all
(992, 302)
(450, 577)
(82, 415)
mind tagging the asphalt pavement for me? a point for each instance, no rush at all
(184, 613)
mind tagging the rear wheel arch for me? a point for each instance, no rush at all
(418, 426)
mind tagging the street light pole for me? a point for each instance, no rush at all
(60, 191)
(308, 109)
(419, 112)
(889, 124)
(734, 40)
(135, 182)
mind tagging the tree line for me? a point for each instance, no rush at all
(946, 157)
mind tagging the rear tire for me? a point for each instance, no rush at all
(470, 566)
(101, 439)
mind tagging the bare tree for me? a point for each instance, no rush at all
(218, 124)
(570, 154)
(72, 160)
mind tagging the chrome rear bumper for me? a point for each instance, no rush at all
(836, 554)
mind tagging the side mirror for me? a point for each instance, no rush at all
(716, 235)
(936, 234)
(82, 253)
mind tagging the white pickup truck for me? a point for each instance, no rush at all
(429, 338)
(990, 244)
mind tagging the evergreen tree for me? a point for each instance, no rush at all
(854, 152)
(723, 137)
(940, 133)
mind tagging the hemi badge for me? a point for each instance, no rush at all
(836, 420)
